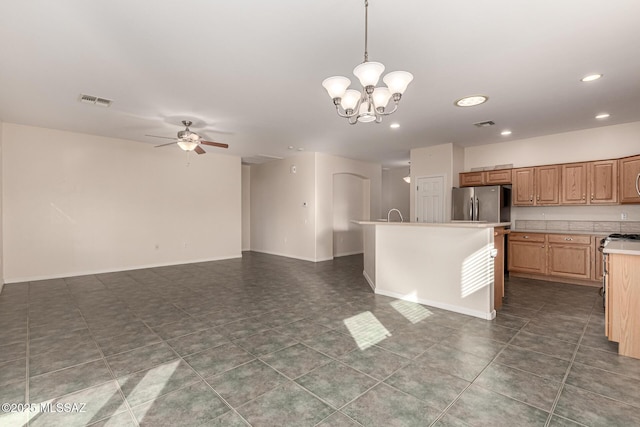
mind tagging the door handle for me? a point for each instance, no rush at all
(471, 208)
(477, 212)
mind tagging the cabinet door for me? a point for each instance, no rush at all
(570, 261)
(630, 180)
(470, 179)
(547, 185)
(574, 184)
(596, 267)
(603, 182)
(522, 192)
(527, 257)
(497, 177)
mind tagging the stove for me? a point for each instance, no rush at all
(618, 236)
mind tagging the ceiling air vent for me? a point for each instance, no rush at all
(484, 124)
(94, 100)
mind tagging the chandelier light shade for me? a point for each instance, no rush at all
(369, 104)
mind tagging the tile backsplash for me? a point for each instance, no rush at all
(596, 227)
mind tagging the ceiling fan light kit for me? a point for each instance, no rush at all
(370, 104)
(190, 141)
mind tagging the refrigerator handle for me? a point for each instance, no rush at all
(476, 214)
(471, 209)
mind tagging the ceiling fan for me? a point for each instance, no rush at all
(190, 141)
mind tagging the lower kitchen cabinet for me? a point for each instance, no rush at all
(527, 253)
(549, 256)
(569, 256)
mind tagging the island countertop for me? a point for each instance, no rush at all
(457, 224)
(622, 247)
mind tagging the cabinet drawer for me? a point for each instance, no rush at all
(573, 239)
(527, 237)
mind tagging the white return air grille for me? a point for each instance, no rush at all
(95, 100)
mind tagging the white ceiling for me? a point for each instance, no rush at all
(249, 73)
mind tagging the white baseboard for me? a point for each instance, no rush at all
(114, 270)
(449, 307)
(360, 252)
(366, 276)
(291, 256)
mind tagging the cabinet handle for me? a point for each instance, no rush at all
(538, 197)
(525, 237)
(531, 196)
(592, 197)
(568, 239)
(583, 196)
(542, 246)
(637, 184)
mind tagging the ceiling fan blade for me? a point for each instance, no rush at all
(164, 145)
(199, 150)
(215, 144)
(163, 137)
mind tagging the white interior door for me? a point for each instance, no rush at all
(430, 199)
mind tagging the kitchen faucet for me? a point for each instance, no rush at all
(399, 213)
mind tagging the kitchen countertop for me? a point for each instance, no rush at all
(587, 233)
(457, 224)
(622, 247)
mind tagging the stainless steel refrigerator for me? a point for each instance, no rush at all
(487, 204)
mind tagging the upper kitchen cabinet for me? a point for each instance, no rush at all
(590, 183)
(471, 179)
(539, 186)
(630, 179)
(522, 192)
(497, 177)
(574, 184)
(603, 182)
(492, 177)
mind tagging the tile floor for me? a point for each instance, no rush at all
(271, 341)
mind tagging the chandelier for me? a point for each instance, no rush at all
(370, 104)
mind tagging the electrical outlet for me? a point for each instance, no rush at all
(624, 216)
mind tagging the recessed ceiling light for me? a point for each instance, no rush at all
(505, 132)
(590, 77)
(394, 125)
(470, 101)
(290, 147)
(603, 116)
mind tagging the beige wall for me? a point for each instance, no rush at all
(395, 192)
(1, 216)
(350, 201)
(326, 167)
(443, 159)
(246, 207)
(592, 144)
(292, 213)
(281, 223)
(75, 204)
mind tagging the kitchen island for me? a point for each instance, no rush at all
(444, 265)
(622, 298)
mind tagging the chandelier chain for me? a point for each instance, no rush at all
(366, 29)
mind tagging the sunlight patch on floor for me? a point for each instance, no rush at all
(155, 381)
(366, 329)
(412, 311)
